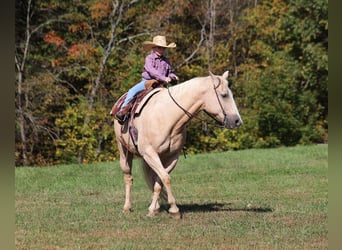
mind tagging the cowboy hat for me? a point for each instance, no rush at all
(157, 41)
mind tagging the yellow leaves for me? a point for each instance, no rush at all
(78, 137)
(266, 17)
(100, 9)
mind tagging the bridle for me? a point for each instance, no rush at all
(190, 115)
(221, 106)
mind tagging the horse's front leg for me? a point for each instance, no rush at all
(158, 186)
(153, 160)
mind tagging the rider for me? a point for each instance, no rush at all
(156, 67)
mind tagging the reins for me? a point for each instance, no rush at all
(218, 123)
(184, 110)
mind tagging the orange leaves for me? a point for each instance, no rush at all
(52, 37)
(77, 51)
(100, 9)
(80, 51)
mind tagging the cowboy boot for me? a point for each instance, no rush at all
(121, 114)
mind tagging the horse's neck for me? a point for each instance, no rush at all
(189, 95)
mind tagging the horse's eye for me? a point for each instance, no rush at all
(224, 95)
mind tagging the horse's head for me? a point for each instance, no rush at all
(220, 102)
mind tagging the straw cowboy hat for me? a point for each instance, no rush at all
(157, 41)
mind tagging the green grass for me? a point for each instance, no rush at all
(251, 199)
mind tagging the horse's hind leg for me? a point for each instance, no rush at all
(128, 186)
(153, 209)
(155, 186)
(126, 167)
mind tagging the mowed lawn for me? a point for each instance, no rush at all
(250, 199)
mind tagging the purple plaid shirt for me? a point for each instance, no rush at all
(157, 68)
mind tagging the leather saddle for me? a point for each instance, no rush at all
(134, 103)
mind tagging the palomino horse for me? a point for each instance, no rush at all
(161, 130)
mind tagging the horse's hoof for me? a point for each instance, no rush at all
(176, 215)
(153, 213)
(127, 210)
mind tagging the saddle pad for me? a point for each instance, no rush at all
(116, 107)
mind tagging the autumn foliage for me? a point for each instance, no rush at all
(74, 59)
(52, 38)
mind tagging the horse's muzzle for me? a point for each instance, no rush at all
(231, 122)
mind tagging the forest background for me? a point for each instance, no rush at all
(73, 60)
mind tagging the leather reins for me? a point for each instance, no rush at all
(210, 115)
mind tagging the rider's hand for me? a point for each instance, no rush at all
(175, 78)
(168, 79)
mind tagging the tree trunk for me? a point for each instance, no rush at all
(21, 122)
(117, 12)
(20, 65)
(211, 17)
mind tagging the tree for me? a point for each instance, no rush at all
(286, 112)
(87, 138)
(73, 61)
(36, 94)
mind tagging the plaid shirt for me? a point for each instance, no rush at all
(157, 67)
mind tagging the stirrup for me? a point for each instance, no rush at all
(121, 119)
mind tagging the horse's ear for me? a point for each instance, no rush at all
(211, 74)
(225, 74)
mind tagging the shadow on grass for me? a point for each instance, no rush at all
(219, 207)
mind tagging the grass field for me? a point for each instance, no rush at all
(251, 199)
